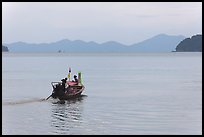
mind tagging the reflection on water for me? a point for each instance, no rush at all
(66, 116)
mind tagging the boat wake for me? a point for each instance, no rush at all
(23, 101)
(34, 100)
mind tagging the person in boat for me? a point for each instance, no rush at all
(75, 79)
(64, 81)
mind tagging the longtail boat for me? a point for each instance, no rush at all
(67, 91)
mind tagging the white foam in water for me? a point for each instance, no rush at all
(22, 101)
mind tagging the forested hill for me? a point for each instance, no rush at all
(193, 44)
(5, 49)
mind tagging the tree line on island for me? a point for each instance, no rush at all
(193, 44)
(159, 43)
(4, 48)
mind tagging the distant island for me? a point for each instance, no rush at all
(193, 44)
(158, 43)
(5, 49)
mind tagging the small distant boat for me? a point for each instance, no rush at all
(70, 91)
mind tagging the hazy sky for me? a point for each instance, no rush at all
(125, 22)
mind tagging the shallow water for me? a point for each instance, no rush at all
(141, 93)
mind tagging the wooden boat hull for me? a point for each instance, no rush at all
(70, 92)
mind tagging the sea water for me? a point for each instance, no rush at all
(130, 94)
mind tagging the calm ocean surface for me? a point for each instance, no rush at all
(141, 93)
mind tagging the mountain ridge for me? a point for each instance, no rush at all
(158, 43)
